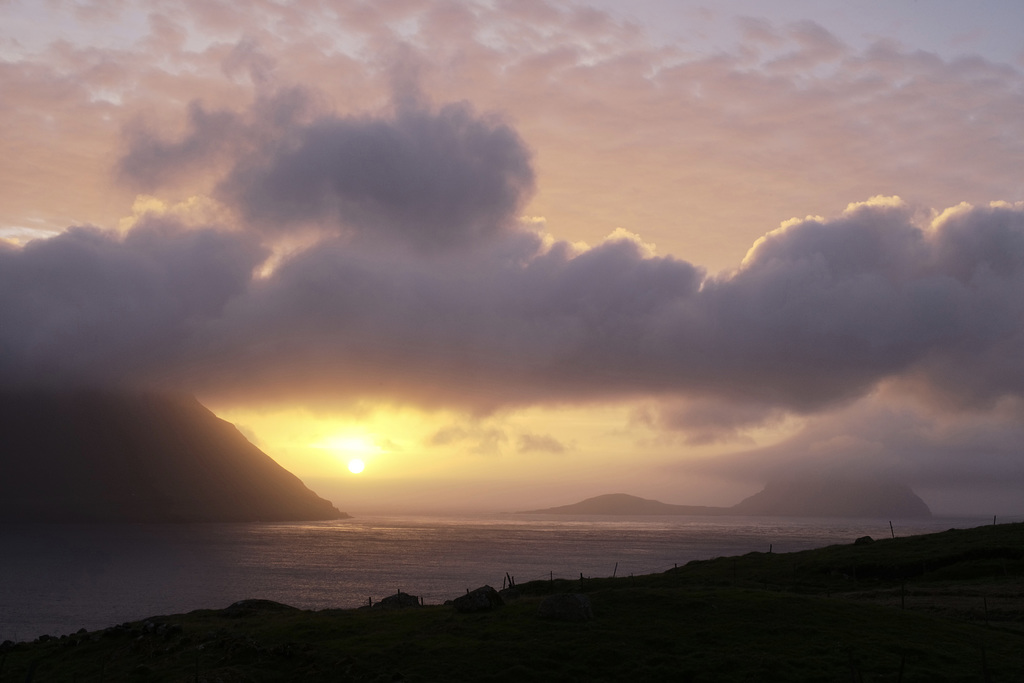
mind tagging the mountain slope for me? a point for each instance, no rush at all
(834, 498)
(102, 456)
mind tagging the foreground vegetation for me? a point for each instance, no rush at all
(941, 607)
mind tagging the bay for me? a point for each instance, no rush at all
(56, 579)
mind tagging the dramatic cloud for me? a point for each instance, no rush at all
(432, 179)
(819, 313)
(697, 149)
(299, 221)
(93, 307)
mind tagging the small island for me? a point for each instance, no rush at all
(797, 498)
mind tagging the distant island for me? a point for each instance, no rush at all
(103, 456)
(803, 498)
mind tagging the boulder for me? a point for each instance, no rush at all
(566, 607)
(479, 600)
(399, 600)
(244, 608)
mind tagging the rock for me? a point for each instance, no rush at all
(566, 607)
(398, 600)
(479, 600)
(864, 540)
(508, 594)
(252, 606)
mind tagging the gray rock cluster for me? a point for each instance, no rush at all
(399, 600)
(480, 600)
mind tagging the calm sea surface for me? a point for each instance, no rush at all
(55, 579)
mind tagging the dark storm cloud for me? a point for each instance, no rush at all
(510, 324)
(818, 314)
(824, 309)
(90, 306)
(435, 179)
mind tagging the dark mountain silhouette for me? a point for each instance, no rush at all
(806, 498)
(834, 498)
(95, 456)
(625, 504)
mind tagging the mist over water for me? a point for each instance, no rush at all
(55, 579)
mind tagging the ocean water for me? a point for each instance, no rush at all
(55, 579)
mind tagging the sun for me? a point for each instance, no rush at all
(356, 450)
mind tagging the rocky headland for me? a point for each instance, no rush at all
(102, 456)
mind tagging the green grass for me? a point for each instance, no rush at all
(942, 607)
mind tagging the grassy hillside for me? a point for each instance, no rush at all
(941, 607)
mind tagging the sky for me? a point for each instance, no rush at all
(509, 254)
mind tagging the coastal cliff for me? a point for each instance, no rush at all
(91, 456)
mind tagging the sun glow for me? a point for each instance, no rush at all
(354, 450)
(349, 444)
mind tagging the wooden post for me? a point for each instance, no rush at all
(891, 530)
(615, 570)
